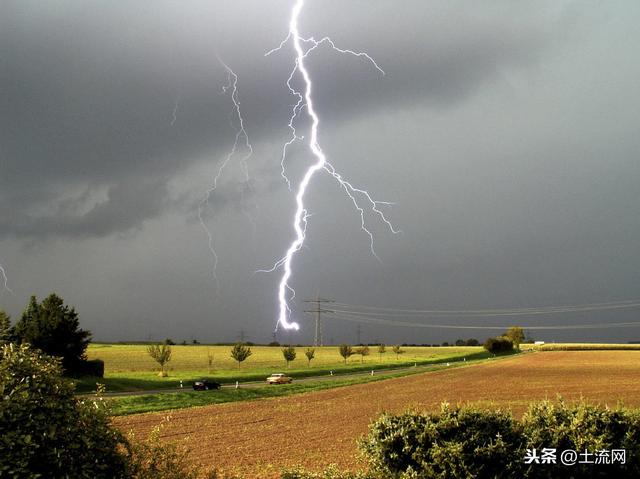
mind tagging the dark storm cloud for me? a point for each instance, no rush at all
(127, 205)
(90, 88)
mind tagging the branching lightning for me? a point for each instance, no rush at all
(303, 47)
(241, 137)
(5, 280)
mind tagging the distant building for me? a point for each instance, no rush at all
(538, 343)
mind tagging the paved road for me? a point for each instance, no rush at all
(255, 384)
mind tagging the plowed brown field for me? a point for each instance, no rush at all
(259, 438)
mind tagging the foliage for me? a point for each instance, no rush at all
(53, 327)
(240, 352)
(161, 353)
(381, 350)
(498, 344)
(362, 351)
(5, 327)
(456, 443)
(44, 430)
(472, 342)
(345, 351)
(310, 353)
(397, 350)
(289, 354)
(516, 335)
(467, 442)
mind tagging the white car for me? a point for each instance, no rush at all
(279, 378)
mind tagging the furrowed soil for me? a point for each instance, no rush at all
(260, 438)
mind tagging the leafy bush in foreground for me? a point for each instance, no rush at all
(469, 443)
(44, 430)
(457, 443)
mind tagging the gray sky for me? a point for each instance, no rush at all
(505, 133)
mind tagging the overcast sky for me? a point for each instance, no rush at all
(505, 133)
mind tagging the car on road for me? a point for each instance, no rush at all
(279, 378)
(205, 385)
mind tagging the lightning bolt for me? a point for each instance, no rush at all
(174, 112)
(303, 47)
(241, 137)
(3, 273)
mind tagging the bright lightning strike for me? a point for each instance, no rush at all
(303, 47)
(241, 137)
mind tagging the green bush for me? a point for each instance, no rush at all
(469, 443)
(456, 443)
(44, 430)
(582, 427)
(500, 344)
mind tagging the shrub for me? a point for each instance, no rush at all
(583, 427)
(457, 443)
(466, 442)
(44, 430)
(500, 344)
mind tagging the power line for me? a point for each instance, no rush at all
(318, 311)
(389, 322)
(386, 312)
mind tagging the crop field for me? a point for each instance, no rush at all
(129, 367)
(259, 438)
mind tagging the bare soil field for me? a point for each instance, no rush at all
(259, 438)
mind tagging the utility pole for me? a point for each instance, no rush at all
(241, 335)
(318, 301)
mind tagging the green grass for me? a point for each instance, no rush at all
(129, 367)
(164, 401)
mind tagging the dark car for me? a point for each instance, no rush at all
(205, 385)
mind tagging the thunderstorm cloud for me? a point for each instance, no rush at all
(505, 135)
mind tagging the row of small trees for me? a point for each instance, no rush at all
(161, 353)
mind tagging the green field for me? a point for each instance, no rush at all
(129, 367)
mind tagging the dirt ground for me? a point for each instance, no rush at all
(260, 438)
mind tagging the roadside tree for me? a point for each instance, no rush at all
(397, 350)
(362, 351)
(381, 350)
(345, 351)
(310, 353)
(161, 353)
(516, 335)
(289, 354)
(240, 352)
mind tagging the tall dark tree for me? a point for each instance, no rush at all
(53, 327)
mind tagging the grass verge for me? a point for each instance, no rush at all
(124, 405)
(144, 381)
